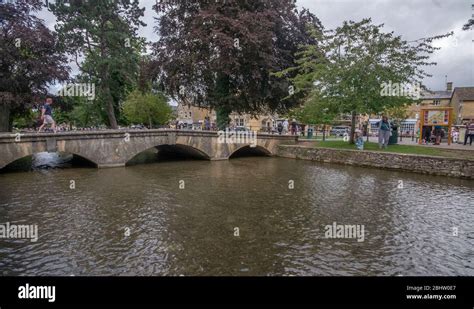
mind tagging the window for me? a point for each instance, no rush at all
(407, 128)
(374, 126)
(436, 102)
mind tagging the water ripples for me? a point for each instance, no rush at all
(190, 231)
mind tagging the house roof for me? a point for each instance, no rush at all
(436, 95)
(464, 93)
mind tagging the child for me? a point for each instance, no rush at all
(359, 140)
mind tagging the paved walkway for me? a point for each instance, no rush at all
(408, 141)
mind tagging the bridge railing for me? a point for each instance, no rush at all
(7, 137)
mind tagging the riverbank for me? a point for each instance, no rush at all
(424, 164)
(467, 152)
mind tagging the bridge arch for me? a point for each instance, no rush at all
(247, 150)
(172, 150)
(15, 157)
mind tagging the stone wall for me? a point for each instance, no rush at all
(411, 163)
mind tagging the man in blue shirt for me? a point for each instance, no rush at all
(47, 115)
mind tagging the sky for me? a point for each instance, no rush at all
(412, 19)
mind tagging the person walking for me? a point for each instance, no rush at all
(293, 127)
(438, 133)
(47, 115)
(426, 135)
(469, 133)
(455, 135)
(285, 127)
(384, 132)
(280, 128)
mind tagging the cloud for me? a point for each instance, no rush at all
(412, 19)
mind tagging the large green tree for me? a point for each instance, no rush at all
(352, 62)
(221, 54)
(30, 59)
(147, 108)
(104, 33)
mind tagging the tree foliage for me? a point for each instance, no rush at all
(221, 54)
(104, 33)
(30, 58)
(347, 69)
(147, 108)
(469, 25)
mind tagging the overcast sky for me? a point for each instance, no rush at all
(412, 19)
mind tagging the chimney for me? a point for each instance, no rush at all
(449, 86)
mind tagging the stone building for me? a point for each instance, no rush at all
(259, 123)
(193, 117)
(439, 98)
(462, 101)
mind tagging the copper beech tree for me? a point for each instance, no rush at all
(30, 58)
(220, 54)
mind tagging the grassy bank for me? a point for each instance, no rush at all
(407, 149)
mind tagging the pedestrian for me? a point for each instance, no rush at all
(285, 126)
(469, 133)
(455, 135)
(293, 127)
(280, 128)
(47, 115)
(426, 135)
(438, 133)
(384, 132)
(359, 140)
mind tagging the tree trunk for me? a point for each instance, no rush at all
(353, 122)
(222, 115)
(5, 117)
(223, 110)
(109, 101)
(111, 111)
(324, 132)
(104, 85)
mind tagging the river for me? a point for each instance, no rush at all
(246, 216)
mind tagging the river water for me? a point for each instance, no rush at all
(246, 216)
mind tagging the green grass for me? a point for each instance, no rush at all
(407, 149)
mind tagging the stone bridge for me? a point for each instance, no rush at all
(114, 148)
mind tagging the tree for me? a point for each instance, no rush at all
(79, 111)
(317, 113)
(147, 108)
(469, 25)
(358, 59)
(398, 113)
(30, 59)
(105, 34)
(220, 54)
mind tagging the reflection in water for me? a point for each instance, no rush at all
(190, 231)
(46, 160)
